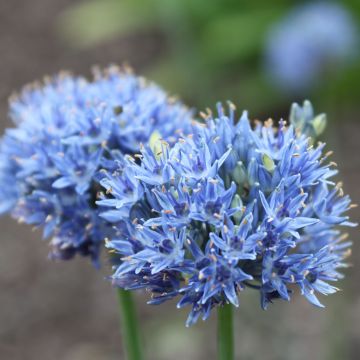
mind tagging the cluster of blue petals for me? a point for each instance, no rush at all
(65, 130)
(230, 206)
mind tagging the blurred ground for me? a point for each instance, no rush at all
(66, 311)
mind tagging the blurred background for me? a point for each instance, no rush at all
(262, 55)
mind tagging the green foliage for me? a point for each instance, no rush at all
(237, 36)
(89, 23)
(214, 47)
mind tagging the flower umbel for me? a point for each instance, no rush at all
(313, 40)
(228, 207)
(66, 129)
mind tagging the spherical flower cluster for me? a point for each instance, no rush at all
(231, 206)
(312, 40)
(65, 130)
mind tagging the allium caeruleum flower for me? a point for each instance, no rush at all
(229, 207)
(65, 130)
(312, 39)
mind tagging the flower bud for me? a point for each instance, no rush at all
(268, 163)
(239, 173)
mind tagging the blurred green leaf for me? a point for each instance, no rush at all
(88, 23)
(354, 6)
(237, 36)
(171, 75)
(253, 92)
(343, 86)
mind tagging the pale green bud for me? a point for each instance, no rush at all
(319, 124)
(237, 203)
(239, 174)
(304, 120)
(155, 143)
(268, 163)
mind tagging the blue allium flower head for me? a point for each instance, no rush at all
(312, 39)
(67, 128)
(230, 206)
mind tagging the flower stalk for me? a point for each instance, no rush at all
(225, 332)
(130, 328)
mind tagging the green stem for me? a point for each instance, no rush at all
(130, 328)
(225, 333)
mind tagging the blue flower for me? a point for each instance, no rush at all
(231, 206)
(211, 201)
(312, 40)
(77, 168)
(66, 130)
(126, 190)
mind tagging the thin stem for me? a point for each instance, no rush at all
(225, 333)
(130, 328)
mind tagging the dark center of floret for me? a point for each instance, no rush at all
(166, 246)
(94, 131)
(283, 212)
(271, 238)
(223, 273)
(311, 277)
(202, 263)
(181, 209)
(213, 207)
(237, 242)
(81, 169)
